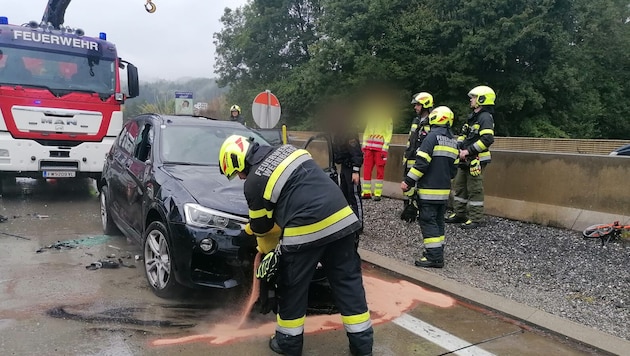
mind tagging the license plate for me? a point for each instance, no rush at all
(59, 174)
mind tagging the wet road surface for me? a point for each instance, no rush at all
(51, 304)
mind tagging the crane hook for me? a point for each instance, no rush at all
(150, 6)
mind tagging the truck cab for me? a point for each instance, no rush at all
(60, 100)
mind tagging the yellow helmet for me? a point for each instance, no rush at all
(423, 99)
(236, 108)
(441, 116)
(485, 95)
(232, 155)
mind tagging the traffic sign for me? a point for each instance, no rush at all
(266, 110)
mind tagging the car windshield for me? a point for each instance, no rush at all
(198, 145)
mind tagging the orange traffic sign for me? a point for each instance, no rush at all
(266, 110)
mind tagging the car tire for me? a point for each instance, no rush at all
(109, 227)
(158, 262)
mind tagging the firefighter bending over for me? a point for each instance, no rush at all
(300, 217)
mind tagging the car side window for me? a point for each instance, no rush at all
(128, 137)
(143, 144)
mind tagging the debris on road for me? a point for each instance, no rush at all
(69, 244)
(13, 235)
(102, 264)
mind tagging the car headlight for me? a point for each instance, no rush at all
(197, 215)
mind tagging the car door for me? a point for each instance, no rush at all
(140, 177)
(120, 181)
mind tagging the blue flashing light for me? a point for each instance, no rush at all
(102, 36)
(37, 102)
(4, 20)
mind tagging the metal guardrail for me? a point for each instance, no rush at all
(532, 144)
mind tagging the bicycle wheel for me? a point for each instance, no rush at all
(598, 230)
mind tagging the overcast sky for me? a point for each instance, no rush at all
(173, 42)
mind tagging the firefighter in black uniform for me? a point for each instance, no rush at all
(298, 213)
(422, 103)
(347, 153)
(435, 166)
(474, 154)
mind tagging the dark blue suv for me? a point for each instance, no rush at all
(161, 186)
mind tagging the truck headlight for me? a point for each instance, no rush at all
(200, 216)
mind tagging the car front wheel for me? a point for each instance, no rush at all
(158, 263)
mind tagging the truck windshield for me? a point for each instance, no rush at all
(60, 73)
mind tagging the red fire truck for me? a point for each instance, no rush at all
(60, 98)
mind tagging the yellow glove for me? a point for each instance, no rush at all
(410, 193)
(475, 167)
(267, 242)
(248, 229)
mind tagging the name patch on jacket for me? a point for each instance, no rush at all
(269, 164)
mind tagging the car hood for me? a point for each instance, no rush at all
(210, 188)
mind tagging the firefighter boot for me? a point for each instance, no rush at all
(284, 344)
(432, 257)
(469, 225)
(455, 219)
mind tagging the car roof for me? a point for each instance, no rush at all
(188, 120)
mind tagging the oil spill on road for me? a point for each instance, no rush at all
(387, 300)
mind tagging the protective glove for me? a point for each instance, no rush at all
(410, 211)
(268, 268)
(475, 167)
(384, 155)
(267, 241)
(248, 229)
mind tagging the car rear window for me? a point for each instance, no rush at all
(198, 145)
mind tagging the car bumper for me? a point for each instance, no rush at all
(226, 265)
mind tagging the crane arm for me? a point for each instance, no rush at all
(55, 12)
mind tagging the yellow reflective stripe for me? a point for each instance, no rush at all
(274, 179)
(486, 132)
(423, 155)
(456, 160)
(484, 154)
(432, 240)
(435, 191)
(476, 126)
(480, 146)
(322, 224)
(356, 319)
(446, 148)
(295, 323)
(255, 214)
(414, 174)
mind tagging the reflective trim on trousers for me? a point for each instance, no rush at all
(475, 203)
(357, 323)
(432, 242)
(293, 327)
(461, 200)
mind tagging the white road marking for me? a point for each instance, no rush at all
(439, 336)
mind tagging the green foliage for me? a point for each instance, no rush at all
(559, 68)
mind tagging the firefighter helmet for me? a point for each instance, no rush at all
(423, 99)
(236, 108)
(232, 155)
(485, 95)
(441, 116)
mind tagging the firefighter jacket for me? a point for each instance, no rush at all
(240, 119)
(436, 165)
(417, 132)
(477, 135)
(285, 186)
(378, 134)
(347, 151)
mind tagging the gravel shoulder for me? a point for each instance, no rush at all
(551, 269)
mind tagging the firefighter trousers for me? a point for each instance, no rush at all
(342, 266)
(432, 227)
(352, 192)
(373, 158)
(468, 199)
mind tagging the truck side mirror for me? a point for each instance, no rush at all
(132, 80)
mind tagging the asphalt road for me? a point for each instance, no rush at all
(51, 304)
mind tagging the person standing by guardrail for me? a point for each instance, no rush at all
(432, 172)
(376, 139)
(474, 143)
(422, 103)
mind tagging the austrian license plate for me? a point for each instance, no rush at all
(59, 174)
